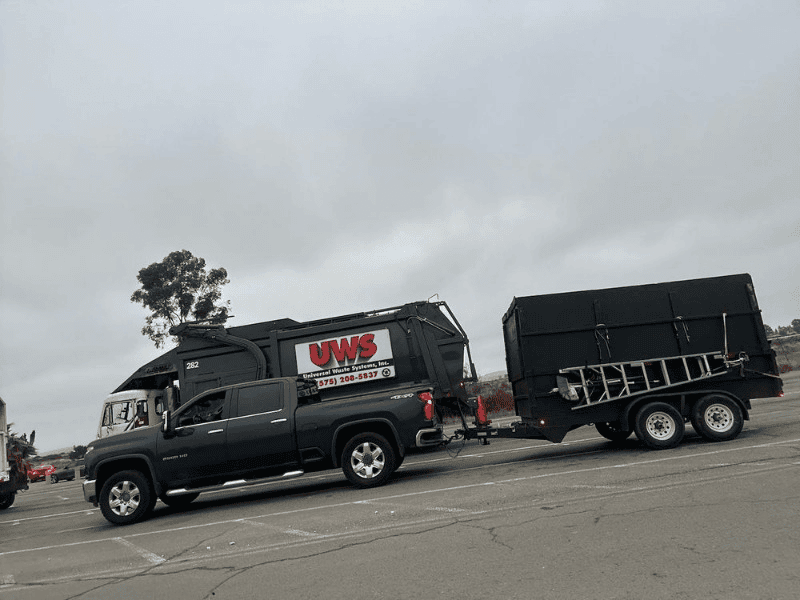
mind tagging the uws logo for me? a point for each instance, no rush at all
(356, 348)
(345, 349)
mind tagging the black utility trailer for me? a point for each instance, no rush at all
(641, 359)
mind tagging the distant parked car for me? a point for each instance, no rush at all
(41, 472)
(63, 474)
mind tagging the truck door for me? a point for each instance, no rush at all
(260, 435)
(196, 449)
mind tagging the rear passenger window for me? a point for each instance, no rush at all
(260, 399)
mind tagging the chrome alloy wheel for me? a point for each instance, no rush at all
(367, 460)
(719, 418)
(660, 425)
(124, 498)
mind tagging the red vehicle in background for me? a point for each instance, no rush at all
(41, 472)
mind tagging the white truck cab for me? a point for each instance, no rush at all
(129, 410)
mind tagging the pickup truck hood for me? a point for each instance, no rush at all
(136, 441)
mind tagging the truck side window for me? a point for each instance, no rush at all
(205, 410)
(260, 399)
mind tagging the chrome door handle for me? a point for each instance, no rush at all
(278, 421)
(215, 431)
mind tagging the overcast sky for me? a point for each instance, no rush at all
(336, 157)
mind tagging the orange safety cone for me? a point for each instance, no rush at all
(480, 413)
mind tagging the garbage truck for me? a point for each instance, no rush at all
(355, 354)
(643, 359)
(14, 465)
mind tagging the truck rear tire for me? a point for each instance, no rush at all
(368, 460)
(126, 497)
(659, 425)
(717, 418)
(6, 500)
(612, 431)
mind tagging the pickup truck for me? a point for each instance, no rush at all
(254, 432)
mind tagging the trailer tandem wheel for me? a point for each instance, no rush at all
(612, 431)
(717, 418)
(659, 425)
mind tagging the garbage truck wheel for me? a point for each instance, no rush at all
(7, 499)
(179, 501)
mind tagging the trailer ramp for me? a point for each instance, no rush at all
(590, 385)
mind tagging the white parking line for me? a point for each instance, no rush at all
(150, 557)
(50, 516)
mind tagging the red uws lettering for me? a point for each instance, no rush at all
(368, 347)
(320, 354)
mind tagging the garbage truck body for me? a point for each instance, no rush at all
(416, 343)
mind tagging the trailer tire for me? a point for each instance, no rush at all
(6, 500)
(612, 431)
(126, 498)
(368, 460)
(179, 501)
(659, 425)
(717, 418)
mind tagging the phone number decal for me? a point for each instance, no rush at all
(360, 377)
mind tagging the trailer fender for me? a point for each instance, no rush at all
(377, 425)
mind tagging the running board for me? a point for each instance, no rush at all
(235, 484)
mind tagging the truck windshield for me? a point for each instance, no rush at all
(117, 413)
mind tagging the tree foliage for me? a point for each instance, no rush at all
(177, 288)
(20, 443)
(783, 330)
(78, 452)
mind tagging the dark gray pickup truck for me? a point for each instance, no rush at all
(255, 432)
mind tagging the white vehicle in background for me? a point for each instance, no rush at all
(124, 411)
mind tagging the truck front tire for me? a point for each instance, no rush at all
(126, 497)
(368, 460)
(717, 418)
(659, 425)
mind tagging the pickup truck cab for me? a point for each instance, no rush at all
(254, 432)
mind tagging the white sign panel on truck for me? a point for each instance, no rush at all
(357, 358)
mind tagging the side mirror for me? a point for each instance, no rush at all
(165, 424)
